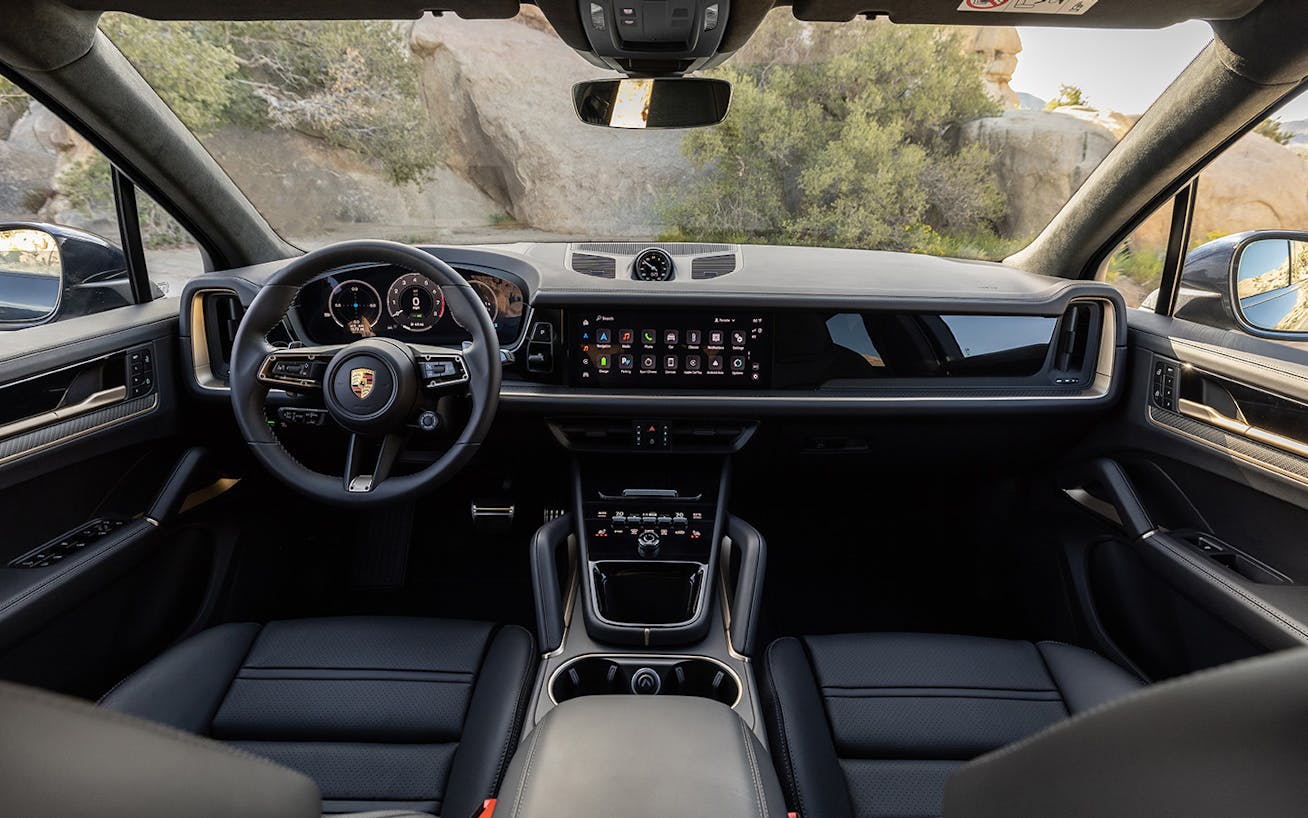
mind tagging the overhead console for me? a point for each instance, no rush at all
(677, 35)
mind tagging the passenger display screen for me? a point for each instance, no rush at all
(673, 350)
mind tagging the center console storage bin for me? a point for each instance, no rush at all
(641, 757)
(648, 593)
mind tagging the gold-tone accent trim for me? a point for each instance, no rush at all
(201, 496)
(154, 404)
(1209, 415)
(574, 587)
(204, 376)
(1261, 465)
(99, 400)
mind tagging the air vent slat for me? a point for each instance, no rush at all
(631, 248)
(712, 266)
(597, 266)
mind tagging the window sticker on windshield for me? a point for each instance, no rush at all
(1029, 6)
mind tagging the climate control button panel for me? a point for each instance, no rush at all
(626, 530)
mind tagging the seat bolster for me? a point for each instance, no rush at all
(800, 737)
(494, 720)
(1083, 678)
(185, 685)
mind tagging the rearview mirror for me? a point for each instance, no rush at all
(662, 102)
(31, 275)
(1270, 273)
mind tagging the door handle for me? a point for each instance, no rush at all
(90, 403)
(1209, 415)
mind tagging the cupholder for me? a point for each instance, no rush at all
(645, 675)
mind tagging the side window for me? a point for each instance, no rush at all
(60, 253)
(1136, 267)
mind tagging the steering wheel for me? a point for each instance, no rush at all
(374, 388)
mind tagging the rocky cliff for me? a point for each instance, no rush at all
(513, 133)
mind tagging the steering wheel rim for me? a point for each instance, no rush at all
(252, 354)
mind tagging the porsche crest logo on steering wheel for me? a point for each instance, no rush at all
(361, 380)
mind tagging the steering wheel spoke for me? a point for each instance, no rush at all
(297, 370)
(441, 370)
(364, 470)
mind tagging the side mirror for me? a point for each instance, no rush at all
(1269, 273)
(661, 102)
(31, 276)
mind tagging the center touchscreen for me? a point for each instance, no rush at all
(674, 350)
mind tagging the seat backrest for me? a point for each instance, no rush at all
(1223, 742)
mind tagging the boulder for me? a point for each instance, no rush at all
(1041, 158)
(25, 179)
(1254, 185)
(307, 189)
(998, 47)
(512, 132)
(1117, 124)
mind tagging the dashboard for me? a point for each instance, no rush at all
(786, 329)
(380, 300)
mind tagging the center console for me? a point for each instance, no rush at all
(649, 528)
(647, 587)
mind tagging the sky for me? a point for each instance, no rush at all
(1122, 71)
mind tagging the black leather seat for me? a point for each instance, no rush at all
(382, 713)
(872, 725)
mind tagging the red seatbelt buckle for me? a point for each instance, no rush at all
(487, 809)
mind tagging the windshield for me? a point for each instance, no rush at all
(959, 141)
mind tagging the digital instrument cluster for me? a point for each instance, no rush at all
(681, 349)
(394, 303)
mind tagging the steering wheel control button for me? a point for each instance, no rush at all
(429, 421)
(441, 372)
(301, 417)
(646, 682)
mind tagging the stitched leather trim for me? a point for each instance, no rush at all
(780, 718)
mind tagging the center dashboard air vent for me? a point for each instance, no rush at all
(654, 262)
(712, 266)
(589, 264)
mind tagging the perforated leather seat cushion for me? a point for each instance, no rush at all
(394, 713)
(872, 725)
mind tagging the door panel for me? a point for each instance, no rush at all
(91, 468)
(1201, 559)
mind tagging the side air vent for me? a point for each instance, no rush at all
(223, 312)
(712, 266)
(597, 266)
(1076, 335)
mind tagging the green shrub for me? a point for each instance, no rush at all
(351, 83)
(856, 149)
(88, 188)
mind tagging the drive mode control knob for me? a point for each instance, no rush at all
(647, 544)
(646, 682)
